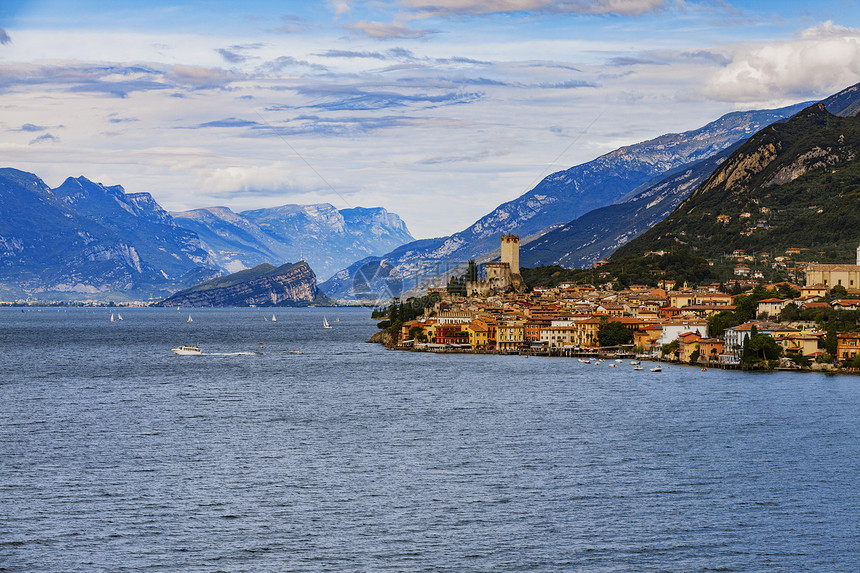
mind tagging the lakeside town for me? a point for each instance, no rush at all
(754, 325)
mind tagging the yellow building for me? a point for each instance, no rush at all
(832, 275)
(803, 342)
(479, 334)
(510, 335)
(847, 345)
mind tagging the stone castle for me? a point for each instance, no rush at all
(502, 276)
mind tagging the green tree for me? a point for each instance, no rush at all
(718, 323)
(416, 332)
(613, 333)
(745, 307)
(457, 286)
(670, 349)
(789, 313)
(837, 292)
(472, 271)
(830, 339)
(760, 348)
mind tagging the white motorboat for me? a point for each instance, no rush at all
(656, 369)
(187, 350)
(638, 367)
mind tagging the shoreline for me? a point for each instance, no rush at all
(561, 353)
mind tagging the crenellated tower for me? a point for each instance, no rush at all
(511, 252)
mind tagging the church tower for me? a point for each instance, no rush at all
(858, 256)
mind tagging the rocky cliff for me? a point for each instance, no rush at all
(292, 284)
(793, 184)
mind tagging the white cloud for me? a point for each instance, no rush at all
(393, 31)
(821, 61)
(423, 8)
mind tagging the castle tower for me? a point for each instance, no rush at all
(511, 252)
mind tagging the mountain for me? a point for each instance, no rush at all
(563, 196)
(793, 184)
(327, 238)
(291, 284)
(597, 234)
(86, 238)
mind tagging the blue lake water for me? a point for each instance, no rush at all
(116, 455)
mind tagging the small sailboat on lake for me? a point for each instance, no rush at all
(189, 319)
(325, 323)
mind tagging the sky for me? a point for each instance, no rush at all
(437, 111)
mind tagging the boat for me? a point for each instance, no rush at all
(325, 323)
(111, 317)
(189, 319)
(638, 367)
(187, 350)
(657, 369)
(618, 360)
(337, 319)
(635, 362)
(296, 352)
(274, 319)
(118, 316)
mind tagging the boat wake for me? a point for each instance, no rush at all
(232, 353)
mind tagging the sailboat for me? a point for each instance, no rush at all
(111, 317)
(189, 319)
(274, 319)
(325, 323)
(118, 316)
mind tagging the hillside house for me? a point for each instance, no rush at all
(848, 345)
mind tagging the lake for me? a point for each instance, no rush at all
(116, 455)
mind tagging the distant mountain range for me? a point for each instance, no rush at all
(84, 238)
(563, 196)
(578, 216)
(793, 184)
(88, 240)
(597, 234)
(327, 238)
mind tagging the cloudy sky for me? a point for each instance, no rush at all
(438, 111)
